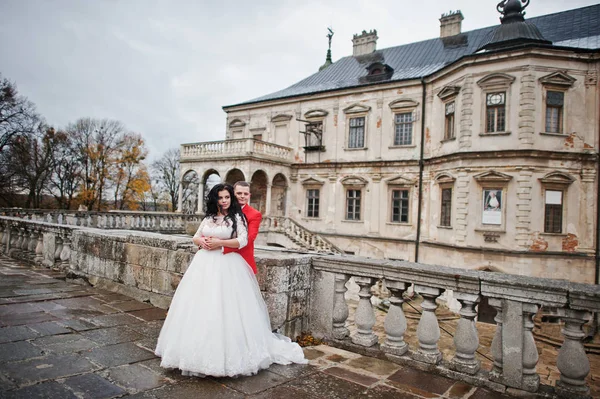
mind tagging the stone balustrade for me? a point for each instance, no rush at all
(163, 222)
(516, 298)
(235, 148)
(298, 234)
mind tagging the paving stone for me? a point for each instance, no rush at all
(33, 291)
(195, 387)
(130, 305)
(150, 314)
(323, 385)
(386, 392)
(351, 376)
(78, 325)
(292, 370)
(288, 391)
(482, 393)
(112, 335)
(67, 313)
(33, 298)
(49, 328)
(18, 308)
(312, 354)
(419, 382)
(253, 384)
(93, 386)
(135, 377)
(147, 343)
(116, 355)
(25, 318)
(6, 384)
(17, 333)
(113, 298)
(149, 329)
(460, 390)
(49, 305)
(20, 350)
(49, 367)
(67, 343)
(372, 365)
(112, 320)
(171, 374)
(50, 389)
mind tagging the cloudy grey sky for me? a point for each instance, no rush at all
(166, 67)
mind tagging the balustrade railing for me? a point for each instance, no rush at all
(517, 299)
(165, 222)
(235, 148)
(298, 234)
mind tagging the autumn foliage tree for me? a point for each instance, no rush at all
(131, 180)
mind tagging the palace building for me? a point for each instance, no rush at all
(473, 149)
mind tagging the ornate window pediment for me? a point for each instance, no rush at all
(402, 104)
(400, 181)
(496, 80)
(354, 181)
(281, 118)
(561, 79)
(444, 178)
(237, 123)
(448, 92)
(316, 113)
(311, 181)
(356, 109)
(492, 177)
(557, 178)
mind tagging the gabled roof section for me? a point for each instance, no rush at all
(578, 29)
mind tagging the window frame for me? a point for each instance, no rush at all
(404, 106)
(445, 181)
(313, 202)
(350, 130)
(356, 111)
(492, 84)
(400, 189)
(312, 184)
(409, 123)
(559, 182)
(358, 184)
(558, 81)
(450, 121)
(354, 199)
(562, 209)
(488, 182)
(497, 109)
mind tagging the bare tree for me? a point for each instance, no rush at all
(166, 175)
(17, 114)
(67, 177)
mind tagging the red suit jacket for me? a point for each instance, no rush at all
(254, 218)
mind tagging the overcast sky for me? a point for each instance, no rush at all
(166, 67)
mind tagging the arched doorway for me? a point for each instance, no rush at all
(278, 195)
(211, 177)
(233, 176)
(258, 191)
(190, 183)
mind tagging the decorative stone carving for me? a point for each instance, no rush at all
(364, 316)
(428, 330)
(395, 321)
(572, 360)
(340, 307)
(466, 338)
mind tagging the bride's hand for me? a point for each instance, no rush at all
(213, 243)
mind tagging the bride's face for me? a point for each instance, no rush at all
(224, 200)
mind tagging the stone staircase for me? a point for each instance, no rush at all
(300, 236)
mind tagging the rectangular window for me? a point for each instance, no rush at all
(400, 206)
(356, 137)
(312, 203)
(353, 205)
(554, 111)
(495, 120)
(553, 212)
(403, 128)
(449, 125)
(446, 212)
(314, 135)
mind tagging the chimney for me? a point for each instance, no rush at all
(450, 23)
(365, 43)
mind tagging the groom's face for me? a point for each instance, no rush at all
(242, 194)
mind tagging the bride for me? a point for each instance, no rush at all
(218, 322)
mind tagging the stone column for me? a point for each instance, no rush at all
(572, 361)
(376, 198)
(179, 199)
(268, 199)
(466, 338)
(340, 307)
(58, 244)
(39, 248)
(364, 316)
(496, 348)
(65, 253)
(428, 330)
(395, 321)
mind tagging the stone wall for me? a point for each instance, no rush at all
(148, 267)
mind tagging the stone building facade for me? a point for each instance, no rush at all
(475, 149)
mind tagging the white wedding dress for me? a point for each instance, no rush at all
(218, 322)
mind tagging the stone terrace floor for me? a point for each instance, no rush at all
(63, 340)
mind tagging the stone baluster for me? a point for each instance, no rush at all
(16, 247)
(24, 241)
(531, 380)
(428, 329)
(2, 239)
(57, 249)
(364, 318)
(65, 253)
(395, 321)
(496, 347)
(572, 361)
(466, 338)
(32, 243)
(340, 307)
(39, 248)
(13, 240)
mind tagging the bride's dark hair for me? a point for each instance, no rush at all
(213, 208)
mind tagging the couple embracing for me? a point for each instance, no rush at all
(218, 323)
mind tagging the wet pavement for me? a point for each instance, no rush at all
(63, 340)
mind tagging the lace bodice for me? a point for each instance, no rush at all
(221, 228)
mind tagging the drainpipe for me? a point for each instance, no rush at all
(421, 166)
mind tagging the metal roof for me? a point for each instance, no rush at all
(578, 28)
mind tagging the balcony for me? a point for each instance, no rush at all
(238, 148)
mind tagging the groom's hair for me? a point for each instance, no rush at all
(241, 183)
